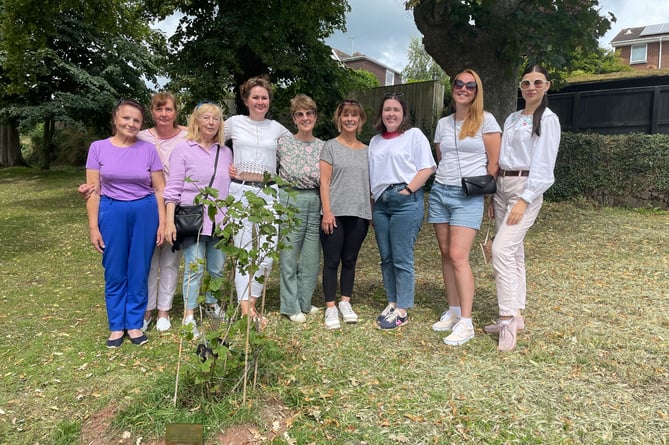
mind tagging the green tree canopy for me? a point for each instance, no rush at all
(496, 37)
(421, 65)
(68, 61)
(221, 43)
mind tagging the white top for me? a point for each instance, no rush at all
(397, 160)
(254, 143)
(164, 146)
(523, 150)
(470, 152)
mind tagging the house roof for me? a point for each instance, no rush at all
(641, 33)
(343, 57)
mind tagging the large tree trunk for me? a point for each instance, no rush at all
(10, 147)
(456, 49)
(47, 144)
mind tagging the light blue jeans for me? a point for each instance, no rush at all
(194, 255)
(299, 263)
(397, 221)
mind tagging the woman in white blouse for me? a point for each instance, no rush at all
(254, 146)
(529, 148)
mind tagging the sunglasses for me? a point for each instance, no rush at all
(538, 83)
(393, 95)
(205, 102)
(350, 102)
(301, 114)
(459, 84)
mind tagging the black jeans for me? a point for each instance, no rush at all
(342, 246)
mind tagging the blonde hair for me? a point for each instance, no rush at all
(194, 124)
(340, 110)
(474, 119)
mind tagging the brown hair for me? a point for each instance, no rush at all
(539, 112)
(130, 102)
(161, 99)
(340, 110)
(406, 118)
(258, 81)
(302, 101)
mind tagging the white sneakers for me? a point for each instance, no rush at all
(446, 322)
(332, 318)
(298, 318)
(190, 321)
(347, 312)
(461, 334)
(163, 324)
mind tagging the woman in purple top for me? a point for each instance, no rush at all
(126, 217)
(201, 157)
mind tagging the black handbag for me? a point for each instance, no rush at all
(188, 220)
(474, 185)
(479, 185)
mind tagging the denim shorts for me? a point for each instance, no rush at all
(448, 204)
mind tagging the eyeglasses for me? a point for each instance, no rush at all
(301, 114)
(538, 83)
(459, 84)
(393, 95)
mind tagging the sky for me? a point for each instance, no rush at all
(382, 29)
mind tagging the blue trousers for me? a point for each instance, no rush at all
(397, 221)
(196, 256)
(128, 229)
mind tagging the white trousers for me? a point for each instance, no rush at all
(163, 277)
(508, 252)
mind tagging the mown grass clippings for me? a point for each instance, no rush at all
(590, 367)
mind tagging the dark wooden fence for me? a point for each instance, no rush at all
(615, 111)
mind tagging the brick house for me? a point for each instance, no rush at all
(645, 47)
(357, 61)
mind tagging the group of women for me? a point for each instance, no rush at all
(131, 210)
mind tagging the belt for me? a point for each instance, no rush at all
(254, 183)
(503, 172)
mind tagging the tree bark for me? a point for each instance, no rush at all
(10, 146)
(456, 47)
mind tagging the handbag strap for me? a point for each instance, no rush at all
(211, 181)
(455, 140)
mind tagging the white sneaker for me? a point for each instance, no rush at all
(332, 318)
(146, 323)
(314, 310)
(446, 322)
(462, 333)
(347, 312)
(163, 324)
(298, 318)
(214, 311)
(189, 320)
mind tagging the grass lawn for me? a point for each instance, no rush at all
(590, 367)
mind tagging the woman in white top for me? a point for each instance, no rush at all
(529, 148)
(254, 146)
(467, 144)
(400, 162)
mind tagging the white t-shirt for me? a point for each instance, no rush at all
(470, 154)
(397, 160)
(254, 143)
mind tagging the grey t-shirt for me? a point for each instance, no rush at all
(349, 184)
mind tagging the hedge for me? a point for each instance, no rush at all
(630, 170)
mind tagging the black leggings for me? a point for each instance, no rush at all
(342, 246)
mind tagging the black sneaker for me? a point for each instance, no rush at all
(388, 310)
(394, 320)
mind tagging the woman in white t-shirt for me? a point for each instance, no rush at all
(400, 162)
(467, 144)
(254, 147)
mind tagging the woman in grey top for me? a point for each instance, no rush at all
(345, 197)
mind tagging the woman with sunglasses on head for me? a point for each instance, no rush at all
(400, 162)
(298, 157)
(199, 161)
(467, 144)
(254, 145)
(530, 144)
(345, 198)
(126, 217)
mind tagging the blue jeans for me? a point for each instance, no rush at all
(397, 221)
(300, 261)
(195, 258)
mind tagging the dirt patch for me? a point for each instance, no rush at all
(278, 418)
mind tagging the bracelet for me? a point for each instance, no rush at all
(406, 187)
